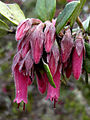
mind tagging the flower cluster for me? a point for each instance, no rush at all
(37, 42)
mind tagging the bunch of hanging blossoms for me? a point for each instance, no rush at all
(38, 48)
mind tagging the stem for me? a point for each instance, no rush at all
(86, 77)
(79, 22)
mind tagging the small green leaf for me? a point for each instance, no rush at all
(3, 26)
(45, 9)
(65, 15)
(77, 11)
(12, 12)
(87, 46)
(50, 78)
(87, 65)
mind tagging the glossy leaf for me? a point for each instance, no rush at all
(50, 78)
(65, 15)
(12, 12)
(87, 65)
(87, 47)
(45, 9)
(77, 11)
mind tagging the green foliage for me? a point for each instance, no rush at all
(45, 9)
(65, 15)
(50, 78)
(12, 12)
(77, 11)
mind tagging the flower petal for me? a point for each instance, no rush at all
(54, 93)
(77, 64)
(49, 36)
(37, 39)
(16, 60)
(22, 29)
(42, 81)
(53, 59)
(21, 83)
(79, 42)
(66, 46)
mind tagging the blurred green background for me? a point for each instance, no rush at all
(74, 101)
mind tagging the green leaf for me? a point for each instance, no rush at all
(77, 11)
(87, 47)
(65, 15)
(87, 65)
(12, 12)
(45, 9)
(50, 78)
(86, 25)
(3, 26)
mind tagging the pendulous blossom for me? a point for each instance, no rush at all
(77, 57)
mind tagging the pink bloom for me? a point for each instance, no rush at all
(41, 81)
(37, 39)
(66, 46)
(54, 93)
(53, 59)
(77, 64)
(49, 36)
(77, 57)
(24, 27)
(21, 83)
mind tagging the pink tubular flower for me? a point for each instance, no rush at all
(66, 46)
(77, 57)
(32, 35)
(54, 93)
(24, 27)
(53, 59)
(49, 36)
(41, 81)
(21, 83)
(37, 39)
